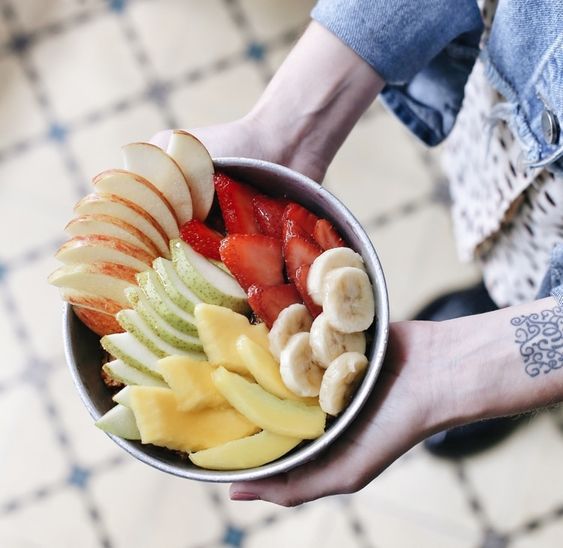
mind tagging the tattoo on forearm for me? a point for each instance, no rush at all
(540, 338)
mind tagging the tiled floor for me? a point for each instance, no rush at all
(79, 78)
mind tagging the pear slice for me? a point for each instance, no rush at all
(138, 190)
(283, 417)
(113, 227)
(210, 283)
(123, 397)
(94, 248)
(162, 423)
(181, 294)
(119, 421)
(160, 326)
(266, 370)
(134, 324)
(167, 309)
(121, 372)
(130, 213)
(246, 452)
(191, 383)
(153, 164)
(106, 280)
(219, 328)
(129, 350)
(197, 166)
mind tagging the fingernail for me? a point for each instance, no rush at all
(244, 496)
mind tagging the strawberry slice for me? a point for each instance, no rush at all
(201, 238)
(253, 259)
(269, 213)
(297, 252)
(290, 229)
(303, 217)
(235, 201)
(301, 285)
(268, 302)
(326, 235)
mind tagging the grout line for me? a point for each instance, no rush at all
(471, 498)
(355, 522)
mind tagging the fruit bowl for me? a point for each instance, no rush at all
(84, 353)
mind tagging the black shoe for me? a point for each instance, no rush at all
(471, 438)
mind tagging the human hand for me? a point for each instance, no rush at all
(403, 410)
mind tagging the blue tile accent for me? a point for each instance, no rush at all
(58, 133)
(233, 536)
(78, 477)
(255, 51)
(19, 43)
(157, 92)
(117, 6)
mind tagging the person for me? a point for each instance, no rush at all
(505, 171)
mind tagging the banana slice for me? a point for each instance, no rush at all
(298, 370)
(348, 303)
(325, 263)
(340, 380)
(291, 320)
(328, 343)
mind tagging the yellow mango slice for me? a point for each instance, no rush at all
(160, 422)
(219, 328)
(284, 417)
(266, 370)
(191, 383)
(247, 452)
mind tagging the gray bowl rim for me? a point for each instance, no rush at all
(315, 447)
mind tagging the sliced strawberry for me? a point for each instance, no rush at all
(235, 201)
(303, 217)
(253, 259)
(201, 238)
(268, 302)
(290, 229)
(301, 285)
(326, 236)
(269, 213)
(297, 252)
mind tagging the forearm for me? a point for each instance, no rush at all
(501, 363)
(315, 99)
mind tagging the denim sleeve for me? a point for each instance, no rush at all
(424, 51)
(553, 281)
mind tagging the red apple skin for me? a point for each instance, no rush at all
(91, 301)
(99, 322)
(107, 197)
(101, 240)
(86, 220)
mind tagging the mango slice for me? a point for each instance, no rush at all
(191, 383)
(219, 328)
(247, 452)
(266, 370)
(160, 422)
(284, 417)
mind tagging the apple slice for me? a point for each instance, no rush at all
(197, 166)
(119, 421)
(129, 212)
(131, 321)
(152, 163)
(106, 225)
(138, 190)
(90, 300)
(121, 372)
(106, 280)
(209, 282)
(163, 305)
(99, 322)
(100, 248)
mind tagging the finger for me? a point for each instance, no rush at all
(308, 482)
(161, 138)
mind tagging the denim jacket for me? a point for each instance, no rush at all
(425, 51)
